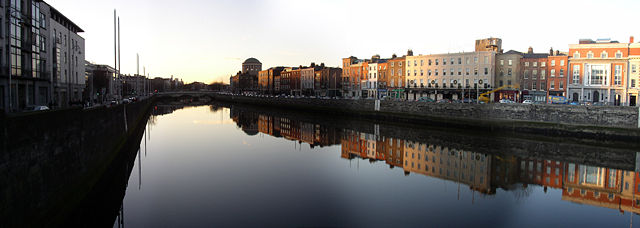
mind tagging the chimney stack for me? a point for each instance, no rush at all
(530, 51)
(551, 52)
(631, 39)
(409, 52)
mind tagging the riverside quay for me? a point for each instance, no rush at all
(318, 114)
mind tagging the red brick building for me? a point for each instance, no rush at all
(557, 67)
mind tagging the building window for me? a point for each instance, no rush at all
(618, 55)
(502, 62)
(509, 71)
(543, 85)
(475, 71)
(501, 83)
(553, 73)
(617, 76)
(535, 64)
(543, 64)
(633, 68)
(421, 62)
(436, 72)
(486, 60)
(561, 73)
(421, 72)
(508, 82)
(597, 75)
(561, 62)
(553, 63)
(486, 71)
(475, 59)
(534, 85)
(452, 60)
(590, 55)
(526, 74)
(543, 74)
(444, 61)
(467, 71)
(561, 85)
(459, 60)
(429, 72)
(603, 55)
(526, 64)
(510, 62)
(576, 55)
(437, 62)
(633, 83)
(429, 62)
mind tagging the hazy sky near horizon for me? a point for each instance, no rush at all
(200, 40)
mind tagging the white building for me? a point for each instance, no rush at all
(67, 63)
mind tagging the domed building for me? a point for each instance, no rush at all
(251, 66)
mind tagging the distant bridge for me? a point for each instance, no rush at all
(187, 94)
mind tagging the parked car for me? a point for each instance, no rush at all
(527, 102)
(443, 101)
(574, 103)
(36, 108)
(507, 101)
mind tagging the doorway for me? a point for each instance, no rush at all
(575, 97)
(632, 100)
(596, 96)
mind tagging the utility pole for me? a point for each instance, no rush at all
(115, 49)
(119, 66)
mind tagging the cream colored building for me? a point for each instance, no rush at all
(470, 168)
(450, 76)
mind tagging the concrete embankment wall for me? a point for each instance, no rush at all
(585, 122)
(50, 160)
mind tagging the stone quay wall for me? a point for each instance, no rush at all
(597, 122)
(49, 160)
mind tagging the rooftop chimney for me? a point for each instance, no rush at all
(394, 56)
(409, 52)
(551, 51)
(530, 50)
(631, 39)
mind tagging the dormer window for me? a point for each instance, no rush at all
(618, 54)
(576, 55)
(590, 55)
(603, 55)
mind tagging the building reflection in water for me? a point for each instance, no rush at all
(480, 172)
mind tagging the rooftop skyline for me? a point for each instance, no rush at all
(207, 41)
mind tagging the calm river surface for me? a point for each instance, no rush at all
(237, 166)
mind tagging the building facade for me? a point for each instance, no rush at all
(450, 76)
(557, 66)
(396, 77)
(67, 65)
(534, 76)
(508, 74)
(33, 74)
(599, 72)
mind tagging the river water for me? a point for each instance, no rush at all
(230, 166)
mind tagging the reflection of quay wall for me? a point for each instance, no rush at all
(480, 142)
(559, 120)
(283, 126)
(472, 169)
(50, 160)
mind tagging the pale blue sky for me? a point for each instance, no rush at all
(208, 40)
